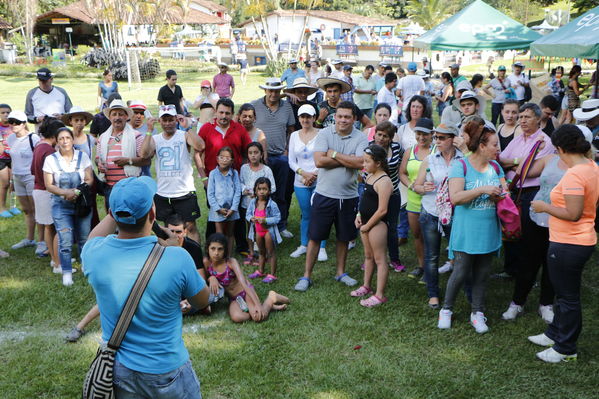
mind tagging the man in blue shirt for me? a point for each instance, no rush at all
(292, 73)
(152, 360)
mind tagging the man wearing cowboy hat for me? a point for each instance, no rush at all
(276, 119)
(118, 150)
(588, 114)
(298, 94)
(292, 73)
(337, 72)
(171, 92)
(519, 81)
(223, 83)
(46, 99)
(364, 91)
(333, 89)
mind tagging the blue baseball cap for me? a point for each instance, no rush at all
(412, 67)
(134, 195)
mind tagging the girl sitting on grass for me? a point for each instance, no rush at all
(224, 193)
(225, 272)
(372, 222)
(263, 215)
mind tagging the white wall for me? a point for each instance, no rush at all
(290, 29)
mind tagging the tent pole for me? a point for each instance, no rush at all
(549, 68)
(596, 90)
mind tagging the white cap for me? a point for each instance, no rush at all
(588, 135)
(306, 109)
(18, 115)
(168, 109)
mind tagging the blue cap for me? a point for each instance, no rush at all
(412, 67)
(134, 195)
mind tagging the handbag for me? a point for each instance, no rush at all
(98, 380)
(83, 203)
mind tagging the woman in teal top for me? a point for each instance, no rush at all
(476, 184)
(408, 171)
(106, 87)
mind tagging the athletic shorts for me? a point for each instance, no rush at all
(42, 200)
(243, 64)
(327, 211)
(23, 185)
(5, 163)
(186, 206)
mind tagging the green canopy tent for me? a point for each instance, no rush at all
(578, 39)
(477, 27)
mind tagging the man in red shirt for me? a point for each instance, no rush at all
(224, 132)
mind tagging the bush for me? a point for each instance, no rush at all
(276, 67)
(116, 62)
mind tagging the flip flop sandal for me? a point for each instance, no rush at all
(256, 274)
(372, 301)
(248, 260)
(360, 292)
(269, 279)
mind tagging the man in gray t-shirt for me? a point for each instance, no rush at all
(338, 155)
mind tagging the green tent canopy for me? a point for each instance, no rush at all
(578, 39)
(477, 27)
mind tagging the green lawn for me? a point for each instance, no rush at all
(309, 351)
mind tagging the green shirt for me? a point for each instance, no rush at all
(364, 101)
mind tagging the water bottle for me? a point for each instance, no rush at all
(429, 176)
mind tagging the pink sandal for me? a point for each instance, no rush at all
(360, 292)
(269, 279)
(373, 301)
(256, 274)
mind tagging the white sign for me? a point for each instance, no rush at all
(68, 30)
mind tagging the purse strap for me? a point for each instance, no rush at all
(122, 325)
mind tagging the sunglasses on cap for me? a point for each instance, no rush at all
(15, 122)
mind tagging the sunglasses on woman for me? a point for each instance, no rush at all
(15, 122)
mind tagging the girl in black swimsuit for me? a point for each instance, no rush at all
(371, 220)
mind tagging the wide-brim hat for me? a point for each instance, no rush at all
(447, 129)
(76, 110)
(222, 64)
(519, 64)
(301, 83)
(118, 104)
(272, 84)
(323, 82)
(588, 110)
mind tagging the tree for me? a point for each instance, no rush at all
(585, 5)
(22, 14)
(427, 13)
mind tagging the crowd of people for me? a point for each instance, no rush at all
(366, 159)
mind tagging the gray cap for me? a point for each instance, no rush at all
(447, 129)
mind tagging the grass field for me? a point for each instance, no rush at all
(309, 351)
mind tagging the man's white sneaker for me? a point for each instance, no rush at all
(351, 245)
(552, 356)
(322, 255)
(546, 313)
(512, 312)
(301, 250)
(444, 319)
(541, 340)
(4, 254)
(67, 279)
(24, 243)
(286, 234)
(40, 249)
(479, 322)
(447, 267)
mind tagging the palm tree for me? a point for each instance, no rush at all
(427, 13)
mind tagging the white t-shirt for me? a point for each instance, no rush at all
(50, 165)
(174, 173)
(410, 85)
(405, 136)
(21, 152)
(518, 87)
(499, 89)
(386, 96)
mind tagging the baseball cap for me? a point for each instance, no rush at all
(137, 104)
(205, 83)
(412, 67)
(306, 109)
(469, 95)
(347, 67)
(168, 109)
(133, 196)
(424, 125)
(447, 129)
(292, 61)
(335, 62)
(18, 115)
(502, 68)
(454, 66)
(44, 74)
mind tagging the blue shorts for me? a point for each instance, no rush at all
(243, 64)
(327, 211)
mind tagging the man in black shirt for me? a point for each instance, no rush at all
(171, 93)
(298, 96)
(333, 89)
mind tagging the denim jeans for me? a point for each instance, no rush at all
(181, 383)
(403, 228)
(431, 236)
(496, 117)
(279, 164)
(304, 199)
(392, 219)
(70, 228)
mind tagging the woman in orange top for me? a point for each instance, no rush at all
(572, 240)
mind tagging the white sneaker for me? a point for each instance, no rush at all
(322, 255)
(512, 312)
(286, 234)
(546, 313)
(4, 254)
(541, 340)
(444, 319)
(351, 245)
(40, 248)
(447, 267)
(479, 322)
(58, 270)
(299, 252)
(67, 279)
(24, 243)
(552, 356)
